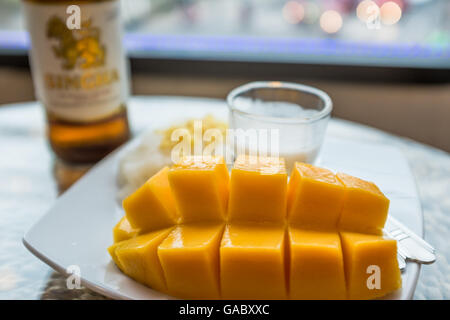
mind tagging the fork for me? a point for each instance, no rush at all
(411, 247)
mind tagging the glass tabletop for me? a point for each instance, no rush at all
(31, 179)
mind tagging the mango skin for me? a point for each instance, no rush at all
(361, 251)
(308, 187)
(152, 206)
(252, 264)
(190, 259)
(365, 207)
(316, 265)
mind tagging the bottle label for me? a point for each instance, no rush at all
(79, 73)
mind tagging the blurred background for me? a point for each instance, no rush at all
(388, 68)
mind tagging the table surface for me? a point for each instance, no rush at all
(31, 179)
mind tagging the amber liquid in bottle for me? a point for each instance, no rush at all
(87, 142)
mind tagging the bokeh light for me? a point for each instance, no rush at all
(293, 12)
(401, 3)
(390, 13)
(331, 21)
(366, 9)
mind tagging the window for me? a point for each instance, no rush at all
(404, 33)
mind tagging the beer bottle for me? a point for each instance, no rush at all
(80, 75)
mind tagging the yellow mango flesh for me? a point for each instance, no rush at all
(365, 207)
(309, 186)
(258, 188)
(152, 206)
(200, 187)
(361, 251)
(138, 258)
(124, 231)
(316, 265)
(112, 253)
(276, 241)
(252, 262)
(190, 260)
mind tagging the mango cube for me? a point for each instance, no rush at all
(152, 206)
(190, 260)
(138, 258)
(258, 189)
(124, 231)
(112, 253)
(252, 262)
(365, 207)
(200, 187)
(316, 265)
(371, 267)
(315, 197)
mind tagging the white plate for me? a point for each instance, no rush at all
(78, 229)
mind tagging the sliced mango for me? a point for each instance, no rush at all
(200, 187)
(124, 231)
(152, 206)
(316, 265)
(258, 188)
(315, 197)
(112, 253)
(365, 207)
(371, 267)
(252, 262)
(182, 236)
(138, 258)
(190, 259)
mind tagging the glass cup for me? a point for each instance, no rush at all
(294, 117)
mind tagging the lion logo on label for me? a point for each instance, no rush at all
(77, 48)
